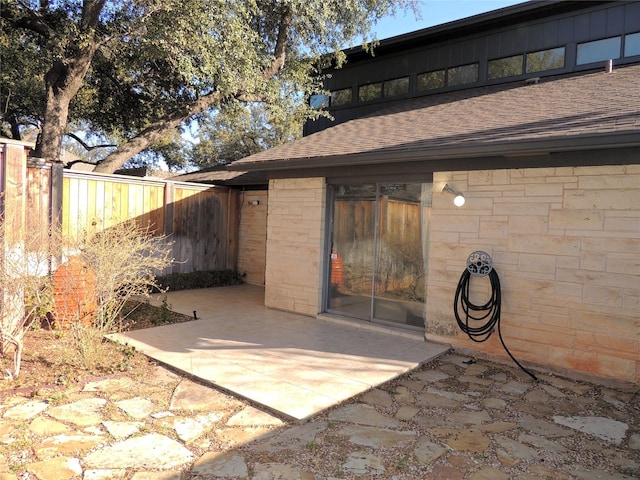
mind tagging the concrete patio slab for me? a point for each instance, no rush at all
(291, 364)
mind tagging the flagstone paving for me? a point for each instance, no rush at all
(448, 420)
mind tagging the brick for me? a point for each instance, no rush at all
(504, 206)
(564, 171)
(528, 224)
(547, 290)
(609, 245)
(576, 219)
(584, 277)
(493, 229)
(554, 319)
(528, 262)
(601, 170)
(621, 263)
(561, 308)
(607, 343)
(595, 261)
(599, 295)
(481, 177)
(545, 244)
(622, 224)
(598, 322)
(590, 182)
(602, 199)
(631, 300)
(544, 190)
(539, 172)
(594, 363)
(74, 293)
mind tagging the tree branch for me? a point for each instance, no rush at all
(90, 13)
(280, 49)
(88, 147)
(153, 132)
(30, 20)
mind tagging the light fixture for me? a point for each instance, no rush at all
(253, 203)
(458, 201)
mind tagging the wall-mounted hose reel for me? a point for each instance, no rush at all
(479, 263)
(480, 321)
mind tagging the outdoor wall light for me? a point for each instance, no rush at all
(254, 203)
(458, 200)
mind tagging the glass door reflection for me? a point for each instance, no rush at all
(378, 252)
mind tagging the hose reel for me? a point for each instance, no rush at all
(480, 321)
(479, 263)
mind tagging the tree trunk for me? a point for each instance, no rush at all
(62, 83)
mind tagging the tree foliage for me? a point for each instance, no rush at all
(134, 70)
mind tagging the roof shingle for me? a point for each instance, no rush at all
(576, 106)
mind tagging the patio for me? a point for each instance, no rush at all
(292, 365)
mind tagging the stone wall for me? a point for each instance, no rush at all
(295, 229)
(252, 236)
(566, 245)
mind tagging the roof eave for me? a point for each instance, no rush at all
(542, 146)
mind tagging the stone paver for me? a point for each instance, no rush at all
(82, 413)
(221, 465)
(609, 430)
(449, 420)
(66, 444)
(59, 468)
(122, 430)
(137, 408)
(363, 463)
(189, 429)
(426, 451)
(148, 451)
(376, 437)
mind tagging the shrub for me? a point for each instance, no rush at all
(201, 279)
(124, 260)
(25, 286)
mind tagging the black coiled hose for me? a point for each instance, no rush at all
(488, 314)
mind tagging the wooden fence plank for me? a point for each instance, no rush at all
(15, 172)
(195, 217)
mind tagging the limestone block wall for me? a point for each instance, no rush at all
(566, 245)
(295, 227)
(252, 236)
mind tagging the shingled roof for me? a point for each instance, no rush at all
(219, 175)
(577, 112)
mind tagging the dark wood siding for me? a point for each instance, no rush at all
(433, 50)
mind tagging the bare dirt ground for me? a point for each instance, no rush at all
(50, 359)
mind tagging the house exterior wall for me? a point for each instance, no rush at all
(566, 245)
(252, 236)
(295, 228)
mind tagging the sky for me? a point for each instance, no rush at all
(435, 12)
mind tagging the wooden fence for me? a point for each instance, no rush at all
(200, 221)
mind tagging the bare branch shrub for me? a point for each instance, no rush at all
(124, 261)
(25, 286)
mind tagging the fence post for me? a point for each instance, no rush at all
(56, 195)
(233, 228)
(169, 196)
(13, 189)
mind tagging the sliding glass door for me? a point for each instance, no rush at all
(378, 260)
